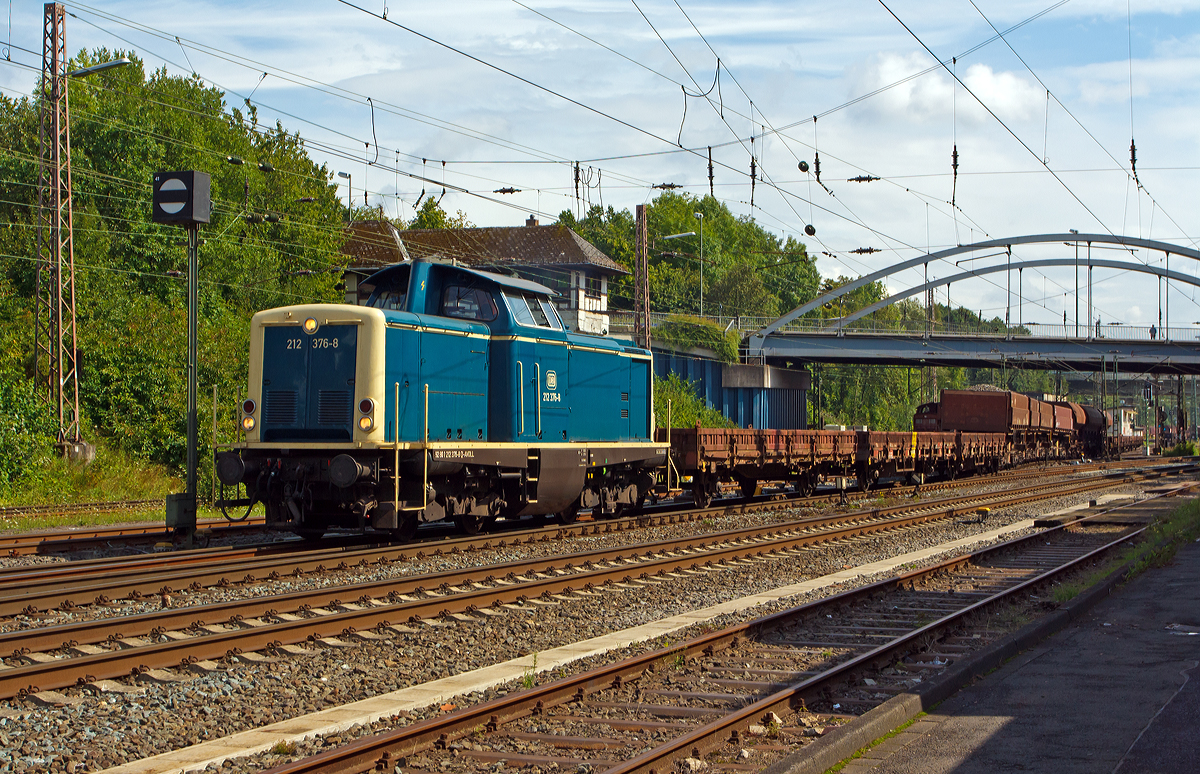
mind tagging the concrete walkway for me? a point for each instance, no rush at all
(1119, 691)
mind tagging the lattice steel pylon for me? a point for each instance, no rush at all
(641, 279)
(55, 339)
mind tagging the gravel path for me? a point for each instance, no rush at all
(105, 730)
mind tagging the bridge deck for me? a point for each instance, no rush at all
(986, 351)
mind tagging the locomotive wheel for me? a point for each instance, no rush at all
(407, 529)
(469, 524)
(568, 515)
(311, 533)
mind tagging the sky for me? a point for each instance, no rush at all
(479, 95)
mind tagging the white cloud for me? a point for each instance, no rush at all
(932, 97)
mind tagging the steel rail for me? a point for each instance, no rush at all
(70, 671)
(61, 576)
(377, 752)
(46, 541)
(61, 540)
(104, 629)
(27, 593)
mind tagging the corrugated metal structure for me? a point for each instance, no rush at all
(750, 396)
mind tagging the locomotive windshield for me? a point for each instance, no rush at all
(391, 291)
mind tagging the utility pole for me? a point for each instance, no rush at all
(55, 342)
(641, 280)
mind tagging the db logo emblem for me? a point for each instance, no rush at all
(551, 380)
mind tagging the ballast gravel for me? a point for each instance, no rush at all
(436, 563)
(109, 729)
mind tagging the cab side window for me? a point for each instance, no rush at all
(532, 311)
(468, 303)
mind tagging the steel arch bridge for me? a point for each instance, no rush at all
(1049, 347)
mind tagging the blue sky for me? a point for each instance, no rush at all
(793, 59)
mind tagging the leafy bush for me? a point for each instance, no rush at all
(27, 429)
(1181, 449)
(687, 407)
(692, 332)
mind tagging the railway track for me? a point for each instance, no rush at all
(736, 699)
(81, 651)
(66, 540)
(31, 590)
(52, 576)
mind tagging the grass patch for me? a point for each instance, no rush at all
(113, 475)
(864, 750)
(284, 748)
(1163, 539)
(1156, 549)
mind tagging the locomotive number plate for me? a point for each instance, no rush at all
(551, 397)
(323, 342)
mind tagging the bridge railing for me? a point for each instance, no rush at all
(622, 322)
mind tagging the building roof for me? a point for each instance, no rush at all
(371, 244)
(552, 245)
(500, 279)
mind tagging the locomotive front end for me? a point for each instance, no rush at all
(312, 421)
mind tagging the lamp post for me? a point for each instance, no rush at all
(349, 192)
(98, 68)
(700, 217)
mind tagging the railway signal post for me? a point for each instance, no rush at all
(183, 199)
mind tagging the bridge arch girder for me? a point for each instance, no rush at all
(1102, 263)
(757, 338)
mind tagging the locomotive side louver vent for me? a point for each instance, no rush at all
(280, 407)
(333, 407)
(624, 413)
(625, 397)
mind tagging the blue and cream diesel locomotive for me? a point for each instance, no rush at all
(452, 394)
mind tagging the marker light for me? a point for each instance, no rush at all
(247, 423)
(248, 406)
(366, 406)
(310, 325)
(365, 424)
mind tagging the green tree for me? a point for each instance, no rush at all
(275, 239)
(431, 215)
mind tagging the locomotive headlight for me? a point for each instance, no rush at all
(366, 422)
(310, 325)
(247, 423)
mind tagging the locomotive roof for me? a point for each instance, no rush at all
(500, 279)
